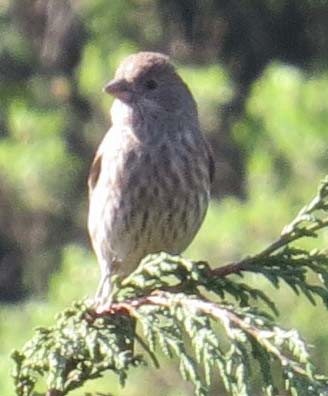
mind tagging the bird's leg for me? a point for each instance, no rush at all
(103, 287)
(103, 295)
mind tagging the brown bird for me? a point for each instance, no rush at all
(149, 184)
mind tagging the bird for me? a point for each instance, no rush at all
(150, 180)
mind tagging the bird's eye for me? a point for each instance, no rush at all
(151, 84)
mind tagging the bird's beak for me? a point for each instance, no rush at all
(119, 88)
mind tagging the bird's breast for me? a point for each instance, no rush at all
(149, 197)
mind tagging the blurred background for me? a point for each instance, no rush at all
(258, 70)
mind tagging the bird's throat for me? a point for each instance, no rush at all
(122, 113)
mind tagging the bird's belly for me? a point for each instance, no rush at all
(138, 222)
(148, 226)
(141, 211)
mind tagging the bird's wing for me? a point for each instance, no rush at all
(95, 171)
(211, 163)
(97, 163)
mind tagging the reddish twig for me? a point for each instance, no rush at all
(222, 314)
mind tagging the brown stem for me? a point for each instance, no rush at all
(232, 268)
(283, 240)
(54, 392)
(224, 315)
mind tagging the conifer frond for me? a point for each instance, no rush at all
(205, 319)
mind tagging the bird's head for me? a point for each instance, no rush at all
(149, 82)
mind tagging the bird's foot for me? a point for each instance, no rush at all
(103, 308)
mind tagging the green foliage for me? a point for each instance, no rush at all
(37, 134)
(75, 350)
(182, 309)
(283, 130)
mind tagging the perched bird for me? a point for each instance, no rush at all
(149, 184)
